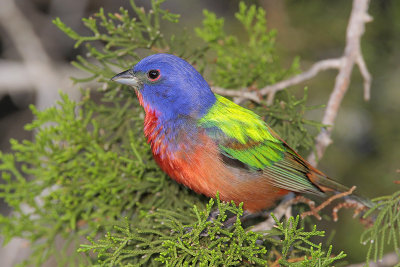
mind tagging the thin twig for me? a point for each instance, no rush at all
(358, 208)
(316, 210)
(236, 93)
(367, 77)
(322, 65)
(270, 90)
(282, 209)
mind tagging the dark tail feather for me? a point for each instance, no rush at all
(327, 184)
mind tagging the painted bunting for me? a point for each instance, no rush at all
(210, 144)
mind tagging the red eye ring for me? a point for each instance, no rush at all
(153, 75)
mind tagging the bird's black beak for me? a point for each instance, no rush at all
(126, 77)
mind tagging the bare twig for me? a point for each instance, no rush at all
(284, 209)
(348, 205)
(322, 65)
(270, 90)
(237, 93)
(352, 55)
(366, 75)
(315, 211)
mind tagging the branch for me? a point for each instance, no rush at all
(352, 55)
(314, 211)
(366, 75)
(237, 93)
(270, 90)
(283, 209)
(322, 65)
(358, 208)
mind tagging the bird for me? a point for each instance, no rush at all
(214, 146)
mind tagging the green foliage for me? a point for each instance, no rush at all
(255, 64)
(287, 117)
(205, 242)
(220, 246)
(297, 241)
(177, 243)
(242, 64)
(122, 36)
(385, 230)
(80, 176)
(317, 258)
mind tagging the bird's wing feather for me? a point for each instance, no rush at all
(244, 137)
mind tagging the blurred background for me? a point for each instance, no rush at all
(35, 64)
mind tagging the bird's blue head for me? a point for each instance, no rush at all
(170, 86)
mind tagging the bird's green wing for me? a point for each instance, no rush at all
(245, 141)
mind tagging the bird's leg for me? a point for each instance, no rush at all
(246, 216)
(213, 215)
(231, 220)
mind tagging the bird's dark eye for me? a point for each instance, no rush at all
(153, 75)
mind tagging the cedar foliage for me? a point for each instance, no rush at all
(89, 172)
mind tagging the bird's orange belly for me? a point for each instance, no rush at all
(203, 171)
